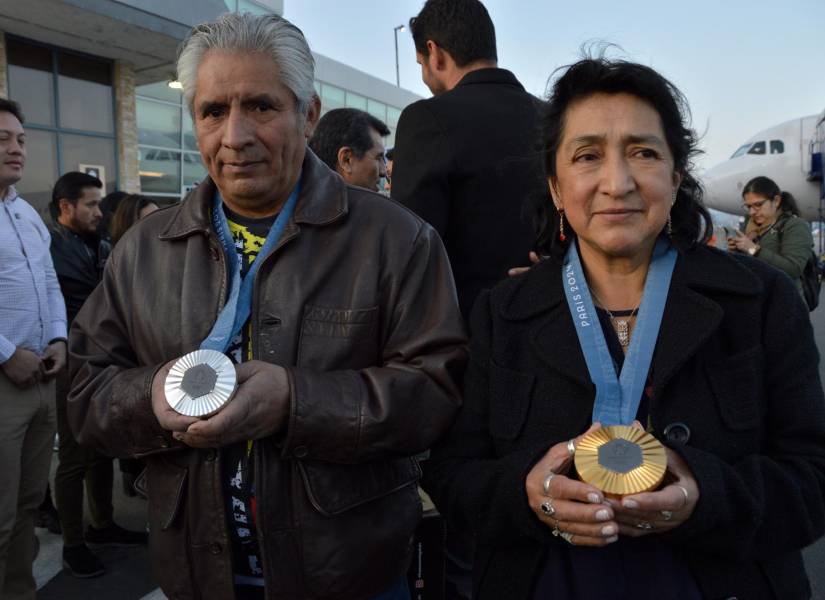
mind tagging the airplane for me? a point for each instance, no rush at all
(785, 153)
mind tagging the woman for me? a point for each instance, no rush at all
(130, 209)
(736, 400)
(774, 232)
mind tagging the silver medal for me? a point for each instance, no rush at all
(200, 383)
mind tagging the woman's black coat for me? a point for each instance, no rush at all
(735, 385)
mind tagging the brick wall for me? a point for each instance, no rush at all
(126, 124)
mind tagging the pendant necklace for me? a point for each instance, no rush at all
(622, 326)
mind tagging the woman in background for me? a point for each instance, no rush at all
(774, 231)
(130, 209)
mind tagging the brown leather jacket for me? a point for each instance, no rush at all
(359, 301)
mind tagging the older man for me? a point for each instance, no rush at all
(347, 345)
(32, 351)
(350, 142)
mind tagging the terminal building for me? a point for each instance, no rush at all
(92, 77)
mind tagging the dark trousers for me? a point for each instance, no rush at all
(78, 464)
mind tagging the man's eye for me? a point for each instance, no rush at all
(263, 106)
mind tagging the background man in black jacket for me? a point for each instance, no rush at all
(79, 254)
(466, 158)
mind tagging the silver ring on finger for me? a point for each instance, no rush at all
(566, 536)
(645, 525)
(545, 485)
(667, 515)
(547, 508)
(684, 491)
(571, 447)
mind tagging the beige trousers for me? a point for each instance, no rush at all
(27, 426)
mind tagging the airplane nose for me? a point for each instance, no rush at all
(723, 189)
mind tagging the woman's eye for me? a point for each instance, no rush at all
(585, 157)
(262, 107)
(647, 153)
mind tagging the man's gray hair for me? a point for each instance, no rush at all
(271, 35)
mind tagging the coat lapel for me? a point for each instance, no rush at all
(691, 315)
(539, 296)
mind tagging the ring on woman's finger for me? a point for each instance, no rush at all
(546, 483)
(547, 508)
(667, 515)
(685, 492)
(566, 536)
(571, 447)
(646, 525)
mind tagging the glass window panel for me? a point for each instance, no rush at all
(742, 150)
(189, 141)
(158, 124)
(251, 7)
(85, 150)
(41, 170)
(757, 148)
(34, 90)
(31, 81)
(332, 97)
(393, 114)
(159, 90)
(777, 146)
(159, 170)
(85, 93)
(356, 101)
(377, 109)
(193, 171)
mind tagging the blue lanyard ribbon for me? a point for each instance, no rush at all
(238, 306)
(617, 398)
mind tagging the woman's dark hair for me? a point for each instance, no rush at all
(691, 221)
(127, 214)
(767, 188)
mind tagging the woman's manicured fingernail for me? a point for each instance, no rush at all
(609, 530)
(610, 540)
(603, 515)
(594, 498)
(630, 504)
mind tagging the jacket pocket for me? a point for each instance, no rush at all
(736, 382)
(165, 487)
(338, 338)
(509, 401)
(334, 489)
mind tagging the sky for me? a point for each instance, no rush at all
(744, 65)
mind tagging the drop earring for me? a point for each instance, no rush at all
(562, 237)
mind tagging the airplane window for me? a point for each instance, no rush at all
(757, 148)
(777, 146)
(741, 150)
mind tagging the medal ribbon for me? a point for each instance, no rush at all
(617, 398)
(238, 306)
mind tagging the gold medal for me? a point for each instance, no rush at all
(621, 460)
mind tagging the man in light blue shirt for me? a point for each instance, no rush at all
(32, 351)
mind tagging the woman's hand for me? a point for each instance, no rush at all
(740, 243)
(662, 510)
(580, 513)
